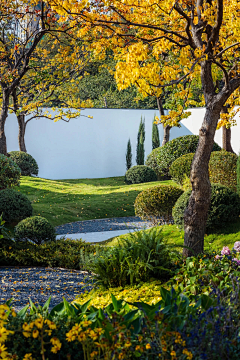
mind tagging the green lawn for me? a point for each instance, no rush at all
(216, 241)
(63, 201)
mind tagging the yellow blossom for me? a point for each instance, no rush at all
(35, 333)
(148, 346)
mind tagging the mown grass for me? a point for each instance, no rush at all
(64, 201)
(225, 237)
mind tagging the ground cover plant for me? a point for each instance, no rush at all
(129, 328)
(63, 201)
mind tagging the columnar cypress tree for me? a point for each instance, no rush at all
(129, 155)
(140, 143)
(155, 136)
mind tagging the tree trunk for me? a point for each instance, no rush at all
(166, 128)
(226, 134)
(3, 118)
(195, 216)
(21, 132)
(166, 134)
(226, 139)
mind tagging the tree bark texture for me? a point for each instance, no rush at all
(3, 118)
(166, 134)
(195, 216)
(166, 128)
(226, 139)
(226, 134)
(21, 132)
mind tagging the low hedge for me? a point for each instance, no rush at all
(9, 173)
(14, 205)
(26, 162)
(224, 208)
(61, 253)
(164, 156)
(140, 174)
(156, 203)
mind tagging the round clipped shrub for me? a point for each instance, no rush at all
(14, 205)
(181, 167)
(26, 162)
(9, 172)
(224, 207)
(157, 202)
(151, 161)
(175, 148)
(35, 228)
(223, 169)
(140, 174)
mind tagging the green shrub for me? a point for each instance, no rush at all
(9, 172)
(140, 174)
(35, 228)
(14, 205)
(137, 257)
(157, 202)
(224, 207)
(165, 155)
(63, 253)
(181, 167)
(26, 162)
(151, 162)
(223, 169)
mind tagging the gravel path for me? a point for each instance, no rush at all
(100, 225)
(39, 283)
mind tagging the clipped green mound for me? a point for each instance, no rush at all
(35, 228)
(164, 156)
(140, 174)
(224, 208)
(26, 162)
(157, 202)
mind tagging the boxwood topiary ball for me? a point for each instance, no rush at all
(224, 207)
(157, 202)
(163, 157)
(9, 172)
(140, 174)
(14, 205)
(26, 162)
(35, 228)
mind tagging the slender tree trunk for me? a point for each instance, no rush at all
(21, 132)
(195, 216)
(21, 122)
(3, 118)
(166, 134)
(226, 139)
(226, 134)
(167, 128)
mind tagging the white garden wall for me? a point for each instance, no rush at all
(95, 148)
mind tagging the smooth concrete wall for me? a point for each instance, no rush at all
(93, 148)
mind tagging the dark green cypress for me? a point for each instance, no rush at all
(140, 143)
(155, 136)
(129, 155)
